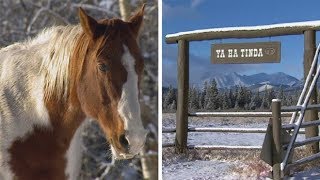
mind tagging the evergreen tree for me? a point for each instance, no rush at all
(264, 102)
(232, 98)
(211, 97)
(289, 100)
(255, 101)
(203, 95)
(295, 96)
(173, 105)
(249, 96)
(271, 95)
(225, 101)
(169, 98)
(235, 98)
(241, 97)
(282, 96)
(281, 93)
(193, 98)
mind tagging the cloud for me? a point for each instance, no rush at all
(196, 3)
(166, 8)
(185, 11)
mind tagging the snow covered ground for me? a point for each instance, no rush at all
(196, 170)
(214, 164)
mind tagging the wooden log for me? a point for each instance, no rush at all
(223, 147)
(276, 135)
(303, 125)
(244, 32)
(237, 114)
(227, 130)
(182, 105)
(168, 145)
(298, 108)
(304, 142)
(230, 130)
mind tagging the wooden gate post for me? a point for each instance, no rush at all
(276, 135)
(309, 51)
(182, 101)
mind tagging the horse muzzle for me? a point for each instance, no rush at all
(132, 144)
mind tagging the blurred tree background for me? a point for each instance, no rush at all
(23, 19)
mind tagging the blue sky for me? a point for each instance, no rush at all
(185, 15)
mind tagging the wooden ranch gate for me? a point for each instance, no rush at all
(224, 130)
(309, 113)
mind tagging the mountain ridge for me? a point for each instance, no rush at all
(256, 82)
(234, 79)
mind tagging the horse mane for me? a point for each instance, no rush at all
(58, 46)
(63, 49)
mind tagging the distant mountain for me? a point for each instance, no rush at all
(256, 81)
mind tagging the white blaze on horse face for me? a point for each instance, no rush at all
(129, 106)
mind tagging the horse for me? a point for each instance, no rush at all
(52, 84)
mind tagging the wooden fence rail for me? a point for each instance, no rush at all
(215, 147)
(236, 114)
(222, 130)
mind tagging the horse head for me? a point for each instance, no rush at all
(108, 80)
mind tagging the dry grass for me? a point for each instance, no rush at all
(301, 153)
(252, 169)
(248, 163)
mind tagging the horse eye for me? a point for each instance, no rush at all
(103, 67)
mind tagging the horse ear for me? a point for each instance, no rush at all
(136, 21)
(88, 24)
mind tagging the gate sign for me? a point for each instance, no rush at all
(249, 53)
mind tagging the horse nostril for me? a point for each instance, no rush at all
(124, 142)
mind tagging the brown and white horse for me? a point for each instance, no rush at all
(51, 84)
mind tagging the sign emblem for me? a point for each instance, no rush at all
(270, 51)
